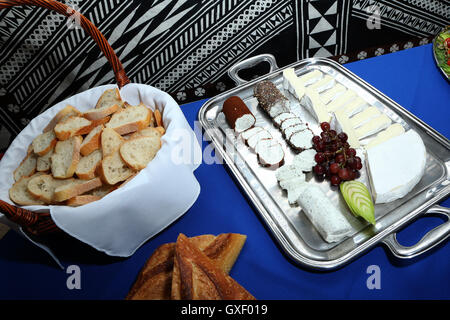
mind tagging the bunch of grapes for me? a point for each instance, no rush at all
(336, 160)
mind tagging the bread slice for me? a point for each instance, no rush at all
(72, 126)
(20, 195)
(158, 118)
(68, 111)
(44, 142)
(147, 132)
(103, 190)
(131, 119)
(138, 152)
(109, 98)
(101, 113)
(66, 157)
(43, 187)
(154, 281)
(75, 188)
(110, 141)
(87, 167)
(44, 163)
(114, 170)
(79, 201)
(200, 278)
(92, 141)
(26, 168)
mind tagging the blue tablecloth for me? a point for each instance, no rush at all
(411, 78)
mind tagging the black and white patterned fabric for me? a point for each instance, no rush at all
(185, 47)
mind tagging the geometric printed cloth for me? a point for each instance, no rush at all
(185, 47)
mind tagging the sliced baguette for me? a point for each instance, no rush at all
(44, 163)
(114, 170)
(72, 126)
(44, 142)
(92, 141)
(147, 132)
(101, 113)
(131, 119)
(110, 141)
(158, 118)
(42, 187)
(79, 201)
(68, 111)
(75, 188)
(66, 157)
(27, 167)
(138, 152)
(103, 190)
(20, 195)
(109, 98)
(88, 165)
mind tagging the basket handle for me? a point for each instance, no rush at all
(88, 27)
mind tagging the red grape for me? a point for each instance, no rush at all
(340, 158)
(351, 152)
(325, 126)
(316, 139)
(343, 137)
(344, 174)
(335, 180)
(334, 168)
(319, 157)
(319, 170)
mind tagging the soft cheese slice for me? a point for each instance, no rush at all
(373, 126)
(365, 116)
(393, 131)
(341, 123)
(332, 93)
(293, 84)
(396, 166)
(327, 82)
(310, 77)
(342, 100)
(311, 101)
(355, 106)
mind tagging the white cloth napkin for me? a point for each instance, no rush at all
(123, 220)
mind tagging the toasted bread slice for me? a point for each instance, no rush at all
(79, 201)
(109, 98)
(147, 132)
(158, 118)
(92, 141)
(44, 163)
(20, 195)
(138, 152)
(130, 119)
(75, 188)
(114, 170)
(154, 281)
(110, 141)
(68, 111)
(72, 126)
(101, 113)
(200, 278)
(66, 157)
(44, 142)
(87, 167)
(103, 190)
(42, 187)
(26, 168)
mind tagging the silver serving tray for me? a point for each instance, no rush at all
(288, 224)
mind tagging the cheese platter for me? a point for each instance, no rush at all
(332, 165)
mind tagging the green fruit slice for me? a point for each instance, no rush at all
(358, 199)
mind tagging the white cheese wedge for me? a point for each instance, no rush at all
(355, 106)
(288, 172)
(396, 166)
(324, 216)
(341, 123)
(293, 84)
(393, 131)
(332, 93)
(342, 100)
(373, 126)
(323, 84)
(311, 101)
(310, 77)
(364, 116)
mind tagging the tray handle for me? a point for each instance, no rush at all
(88, 27)
(251, 62)
(429, 240)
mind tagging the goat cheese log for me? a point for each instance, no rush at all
(238, 115)
(271, 99)
(270, 153)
